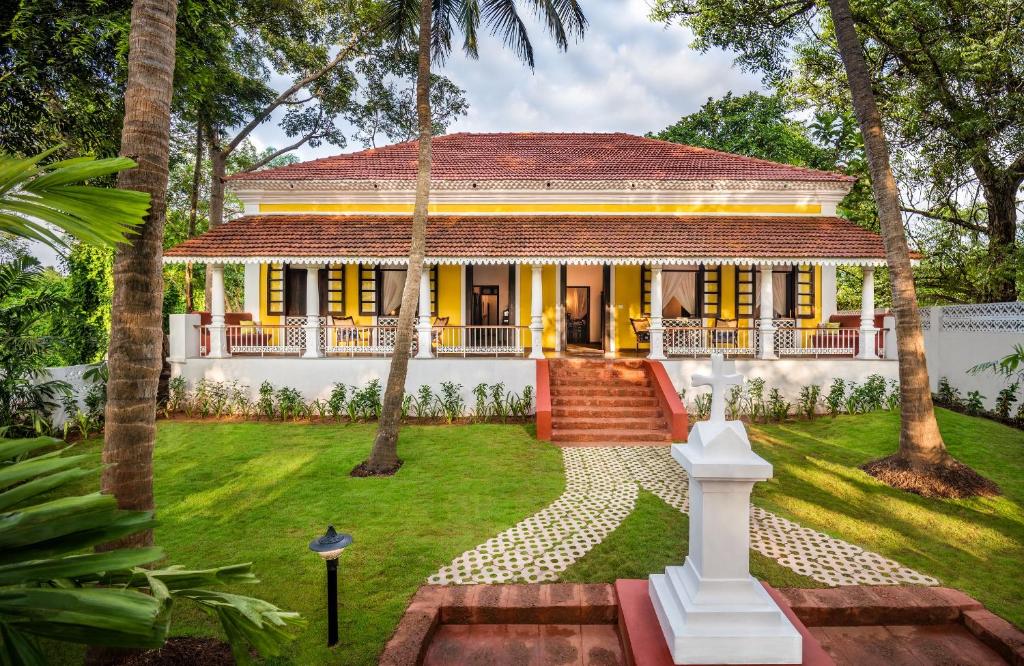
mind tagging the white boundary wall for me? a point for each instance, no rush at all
(315, 377)
(959, 337)
(72, 374)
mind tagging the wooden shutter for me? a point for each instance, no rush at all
(709, 280)
(275, 289)
(645, 291)
(433, 291)
(745, 292)
(336, 290)
(367, 290)
(803, 292)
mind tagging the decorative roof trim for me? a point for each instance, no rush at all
(571, 261)
(624, 186)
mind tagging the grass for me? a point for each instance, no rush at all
(976, 545)
(237, 492)
(653, 537)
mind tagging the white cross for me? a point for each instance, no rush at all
(718, 381)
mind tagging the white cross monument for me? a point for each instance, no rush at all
(711, 610)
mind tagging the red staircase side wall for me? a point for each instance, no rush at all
(543, 401)
(675, 410)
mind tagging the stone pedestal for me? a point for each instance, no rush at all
(711, 610)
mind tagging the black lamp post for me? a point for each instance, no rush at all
(329, 547)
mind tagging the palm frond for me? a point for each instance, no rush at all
(503, 19)
(469, 20)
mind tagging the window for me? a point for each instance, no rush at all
(380, 289)
(679, 293)
(275, 289)
(709, 280)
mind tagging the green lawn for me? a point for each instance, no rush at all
(230, 492)
(976, 545)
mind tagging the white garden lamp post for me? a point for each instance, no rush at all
(711, 610)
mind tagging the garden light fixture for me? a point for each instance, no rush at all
(329, 547)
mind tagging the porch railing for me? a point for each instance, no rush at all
(478, 340)
(703, 340)
(813, 341)
(256, 339)
(359, 340)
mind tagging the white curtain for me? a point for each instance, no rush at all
(391, 292)
(576, 304)
(679, 294)
(779, 295)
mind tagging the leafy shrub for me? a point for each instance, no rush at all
(809, 397)
(500, 403)
(338, 400)
(948, 394)
(872, 393)
(734, 402)
(755, 404)
(177, 394)
(450, 401)
(1005, 399)
(240, 402)
(975, 403)
(836, 397)
(702, 405)
(778, 408)
(852, 401)
(289, 403)
(366, 402)
(892, 399)
(521, 405)
(265, 403)
(406, 405)
(319, 407)
(481, 394)
(424, 403)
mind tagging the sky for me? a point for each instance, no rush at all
(627, 75)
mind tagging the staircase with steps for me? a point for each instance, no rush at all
(598, 401)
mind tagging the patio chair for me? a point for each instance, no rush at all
(642, 331)
(726, 333)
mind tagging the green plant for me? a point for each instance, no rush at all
(948, 394)
(975, 403)
(809, 397)
(1007, 366)
(366, 402)
(872, 393)
(52, 587)
(892, 399)
(177, 395)
(734, 402)
(338, 400)
(521, 405)
(265, 403)
(424, 402)
(702, 405)
(836, 397)
(755, 405)
(500, 403)
(778, 408)
(289, 403)
(480, 392)
(450, 401)
(852, 402)
(1005, 399)
(406, 405)
(320, 408)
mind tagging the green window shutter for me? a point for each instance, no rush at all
(367, 290)
(275, 289)
(745, 286)
(645, 291)
(336, 290)
(710, 289)
(803, 291)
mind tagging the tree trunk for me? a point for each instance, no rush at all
(1001, 204)
(136, 333)
(193, 212)
(218, 166)
(920, 441)
(384, 456)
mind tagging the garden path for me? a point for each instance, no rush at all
(601, 490)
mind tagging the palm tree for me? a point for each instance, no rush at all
(922, 463)
(431, 21)
(136, 333)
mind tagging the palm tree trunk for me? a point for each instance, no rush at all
(920, 441)
(384, 456)
(193, 211)
(136, 333)
(218, 169)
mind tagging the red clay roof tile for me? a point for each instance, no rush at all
(603, 237)
(545, 156)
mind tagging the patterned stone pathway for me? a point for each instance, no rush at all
(601, 490)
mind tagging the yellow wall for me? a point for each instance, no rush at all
(727, 298)
(524, 282)
(270, 320)
(627, 305)
(548, 276)
(449, 294)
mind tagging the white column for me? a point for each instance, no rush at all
(252, 291)
(767, 312)
(218, 336)
(829, 292)
(656, 330)
(312, 326)
(423, 331)
(867, 315)
(537, 313)
(559, 309)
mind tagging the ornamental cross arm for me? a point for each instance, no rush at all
(718, 381)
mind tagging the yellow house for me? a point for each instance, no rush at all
(542, 244)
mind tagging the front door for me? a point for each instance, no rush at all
(485, 305)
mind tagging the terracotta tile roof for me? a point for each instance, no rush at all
(328, 236)
(544, 156)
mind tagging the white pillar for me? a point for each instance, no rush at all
(829, 292)
(252, 291)
(559, 309)
(312, 326)
(423, 331)
(867, 315)
(218, 336)
(656, 330)
(767, 314)
(537, 313)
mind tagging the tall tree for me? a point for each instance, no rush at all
(922, 463)
(431, 23)
(136, 331)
